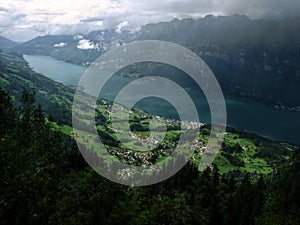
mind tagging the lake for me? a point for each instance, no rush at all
(264, 120)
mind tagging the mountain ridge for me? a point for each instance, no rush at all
(254, 59)
(7, 43)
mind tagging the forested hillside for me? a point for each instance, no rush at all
(44, 180)
(16, 75)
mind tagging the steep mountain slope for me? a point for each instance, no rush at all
(255, 59)
(44, 180)
(16, 75)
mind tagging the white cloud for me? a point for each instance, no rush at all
(121, 25)
(61, 45)
(85, 45)
(78, 37)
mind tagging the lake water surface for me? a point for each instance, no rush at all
(265, 120)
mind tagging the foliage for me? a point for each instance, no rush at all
(44, 180)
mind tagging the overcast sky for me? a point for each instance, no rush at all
(22, 20)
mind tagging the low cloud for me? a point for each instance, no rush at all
(263, 8)
(3, 9)
(78, 37)
(85, 45)
(121, 25)
(60, 45)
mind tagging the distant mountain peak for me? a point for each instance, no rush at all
(7, 43)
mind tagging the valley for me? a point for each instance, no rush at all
(249, 157)
(70, 158)
(279, 125)
(248, 61)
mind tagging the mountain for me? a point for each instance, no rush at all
(6, 43)
(79, 49)
(253, 59)
(44, 179)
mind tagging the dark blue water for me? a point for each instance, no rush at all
(265, 120)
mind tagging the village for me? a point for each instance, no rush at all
(146, 147)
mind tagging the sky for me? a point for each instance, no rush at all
(21, 20)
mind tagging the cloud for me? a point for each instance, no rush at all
(60, 45)
(262, 9)
(92, 19)
(85, 45)
(3, 9)
(24, 19)
(121, 25)
(79, 28)
(78, 37)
